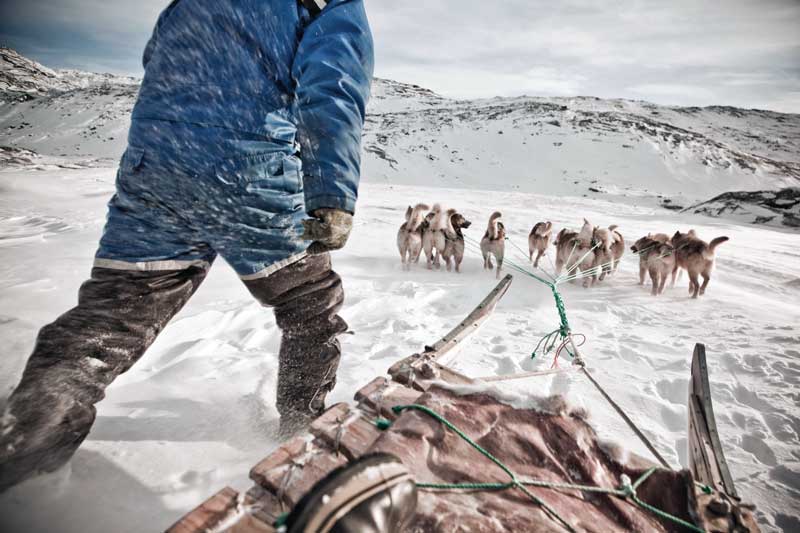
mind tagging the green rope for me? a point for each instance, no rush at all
(627, 490)
(562, 312)
(546, 343)
(381, 423)
(280, 521)
(705, 488)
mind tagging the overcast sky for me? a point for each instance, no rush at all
(688, 52)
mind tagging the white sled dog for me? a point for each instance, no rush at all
(539, 240)
(409, 236)
(433, 240)
(454, 239)
(493, 243)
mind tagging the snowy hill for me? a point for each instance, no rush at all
(18, 74)
(632, 151)
(198, 409)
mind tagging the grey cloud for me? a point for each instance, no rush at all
(686, 52)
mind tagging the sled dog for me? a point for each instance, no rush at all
(493, 243)
(409, 236)
(695, 256)
(539, 240)
(454, 240)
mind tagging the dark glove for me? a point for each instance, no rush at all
(328, 229)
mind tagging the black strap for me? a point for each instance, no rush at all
(314, 7)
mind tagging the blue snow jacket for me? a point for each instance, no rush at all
(268, 68)
(249, 116)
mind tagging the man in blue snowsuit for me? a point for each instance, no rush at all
(244, 143)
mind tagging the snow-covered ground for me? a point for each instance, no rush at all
(197, 411)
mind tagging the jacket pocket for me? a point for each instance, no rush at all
(131, 159)
(266, 169)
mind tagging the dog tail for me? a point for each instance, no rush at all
(615, 235)
(559, 235)
(441, 219)
(712, 246)
(493, 230)
(542, 229)
(587, 231)
(415, 216)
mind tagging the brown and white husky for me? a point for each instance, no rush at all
(493, 243)
(409, 236)
(609, 248)
(574, 251)
(454, 239)
(640, 248)
(697, 257)
(602, 240)
(656, 257)
(617, 247)
(539, 240)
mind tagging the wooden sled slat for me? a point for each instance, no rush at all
(706, 458)
(471, 322)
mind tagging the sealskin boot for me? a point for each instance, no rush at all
(306, 296)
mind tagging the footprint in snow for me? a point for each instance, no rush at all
(755, 444)
(673, 390)
(505, 366)
(498, 349)
(385, 353)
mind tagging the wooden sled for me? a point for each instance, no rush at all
(347, 431)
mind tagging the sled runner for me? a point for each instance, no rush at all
(707, 461)
(481, 464)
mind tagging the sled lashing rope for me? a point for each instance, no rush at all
(626, 490)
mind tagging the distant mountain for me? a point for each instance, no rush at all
(25, 78)
(629, 150)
